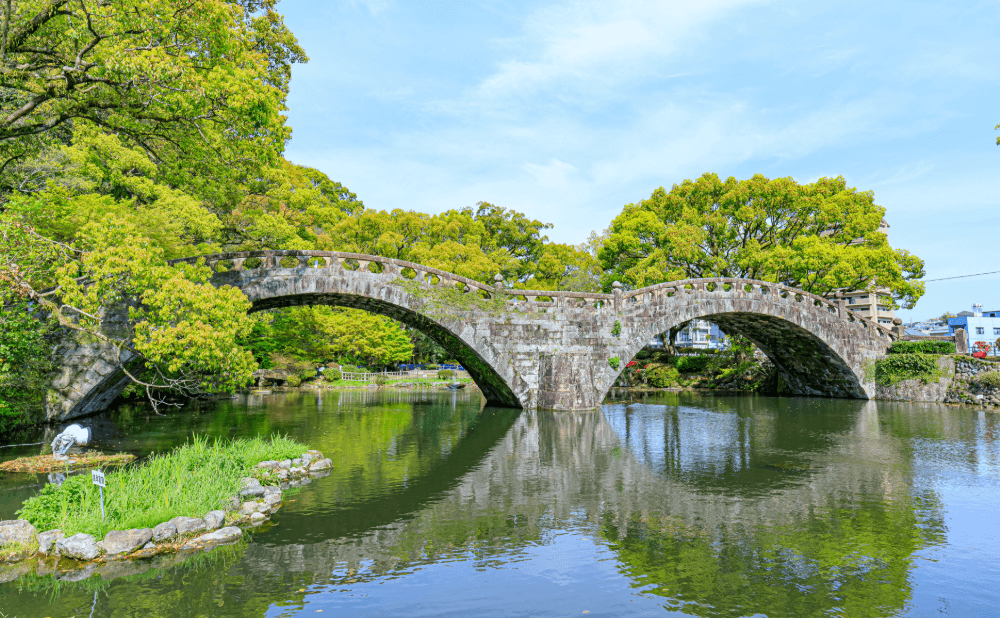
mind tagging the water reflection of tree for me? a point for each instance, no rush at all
(841, 561)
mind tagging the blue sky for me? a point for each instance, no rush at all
(569, 110)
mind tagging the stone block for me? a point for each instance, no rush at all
(165, 531)
(215, 519)
(187, 525)
(17, 531)
(223, 535)
(47, 540)
(125, 541)
(79, 547)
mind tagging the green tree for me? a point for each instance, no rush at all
(322, 334)
(198, 84)
(820, 237)
(23, 364)
(171, 331)
(565, 267)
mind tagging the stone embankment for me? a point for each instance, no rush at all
(963, 380)
(128, 552)
(975, 382)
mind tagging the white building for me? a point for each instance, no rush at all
(697, 334)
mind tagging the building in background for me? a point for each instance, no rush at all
(979, 326)
(700, 334)
(875, 306)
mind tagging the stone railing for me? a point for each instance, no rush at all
(724, 286)
(292, 259)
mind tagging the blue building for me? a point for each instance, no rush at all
(980, 326)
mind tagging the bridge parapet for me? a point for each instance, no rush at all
(533, 299)
(725, 285)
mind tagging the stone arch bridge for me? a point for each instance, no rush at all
(530, 348)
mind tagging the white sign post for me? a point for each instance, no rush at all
(98, 477)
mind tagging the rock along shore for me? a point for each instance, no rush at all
(120, 553)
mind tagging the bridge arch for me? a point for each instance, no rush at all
(818, 346)
(371, 283)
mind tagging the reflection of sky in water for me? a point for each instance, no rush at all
(682, 438)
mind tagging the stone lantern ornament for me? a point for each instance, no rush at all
(74, 434)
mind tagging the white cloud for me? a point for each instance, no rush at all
(585, 47)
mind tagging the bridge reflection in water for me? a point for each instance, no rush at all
(713, 506)
(724, 508)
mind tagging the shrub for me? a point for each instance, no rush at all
(922, 347)
(662, 376)
(381, 380)
(308, 375)
(433, 367)
(615, 362)
(349, 368)
(293, 381)
(895, 368)
(692, 364)
(446, 374)
(616, 330)
(987, 379)
(332, 375)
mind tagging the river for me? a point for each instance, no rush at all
(674, 503)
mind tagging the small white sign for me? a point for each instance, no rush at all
(98, 477)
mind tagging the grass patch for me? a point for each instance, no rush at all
(895, 368)
(190, 480)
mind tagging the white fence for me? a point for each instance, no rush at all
(371, 377)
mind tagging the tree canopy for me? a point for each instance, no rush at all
(820, 237)
(199, 85)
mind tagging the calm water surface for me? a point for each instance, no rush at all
(677, 504)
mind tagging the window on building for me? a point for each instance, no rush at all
(851, 300)
(996, 331)
(979, 330)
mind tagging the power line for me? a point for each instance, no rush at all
(993, 272)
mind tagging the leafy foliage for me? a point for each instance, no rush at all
(661, 375)
(819, 237)
(200, 85)
(615, 362)
(322, 334)
(895, 368)
(446, 374)
(24, 362)
(922, 347)
(692, 364)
